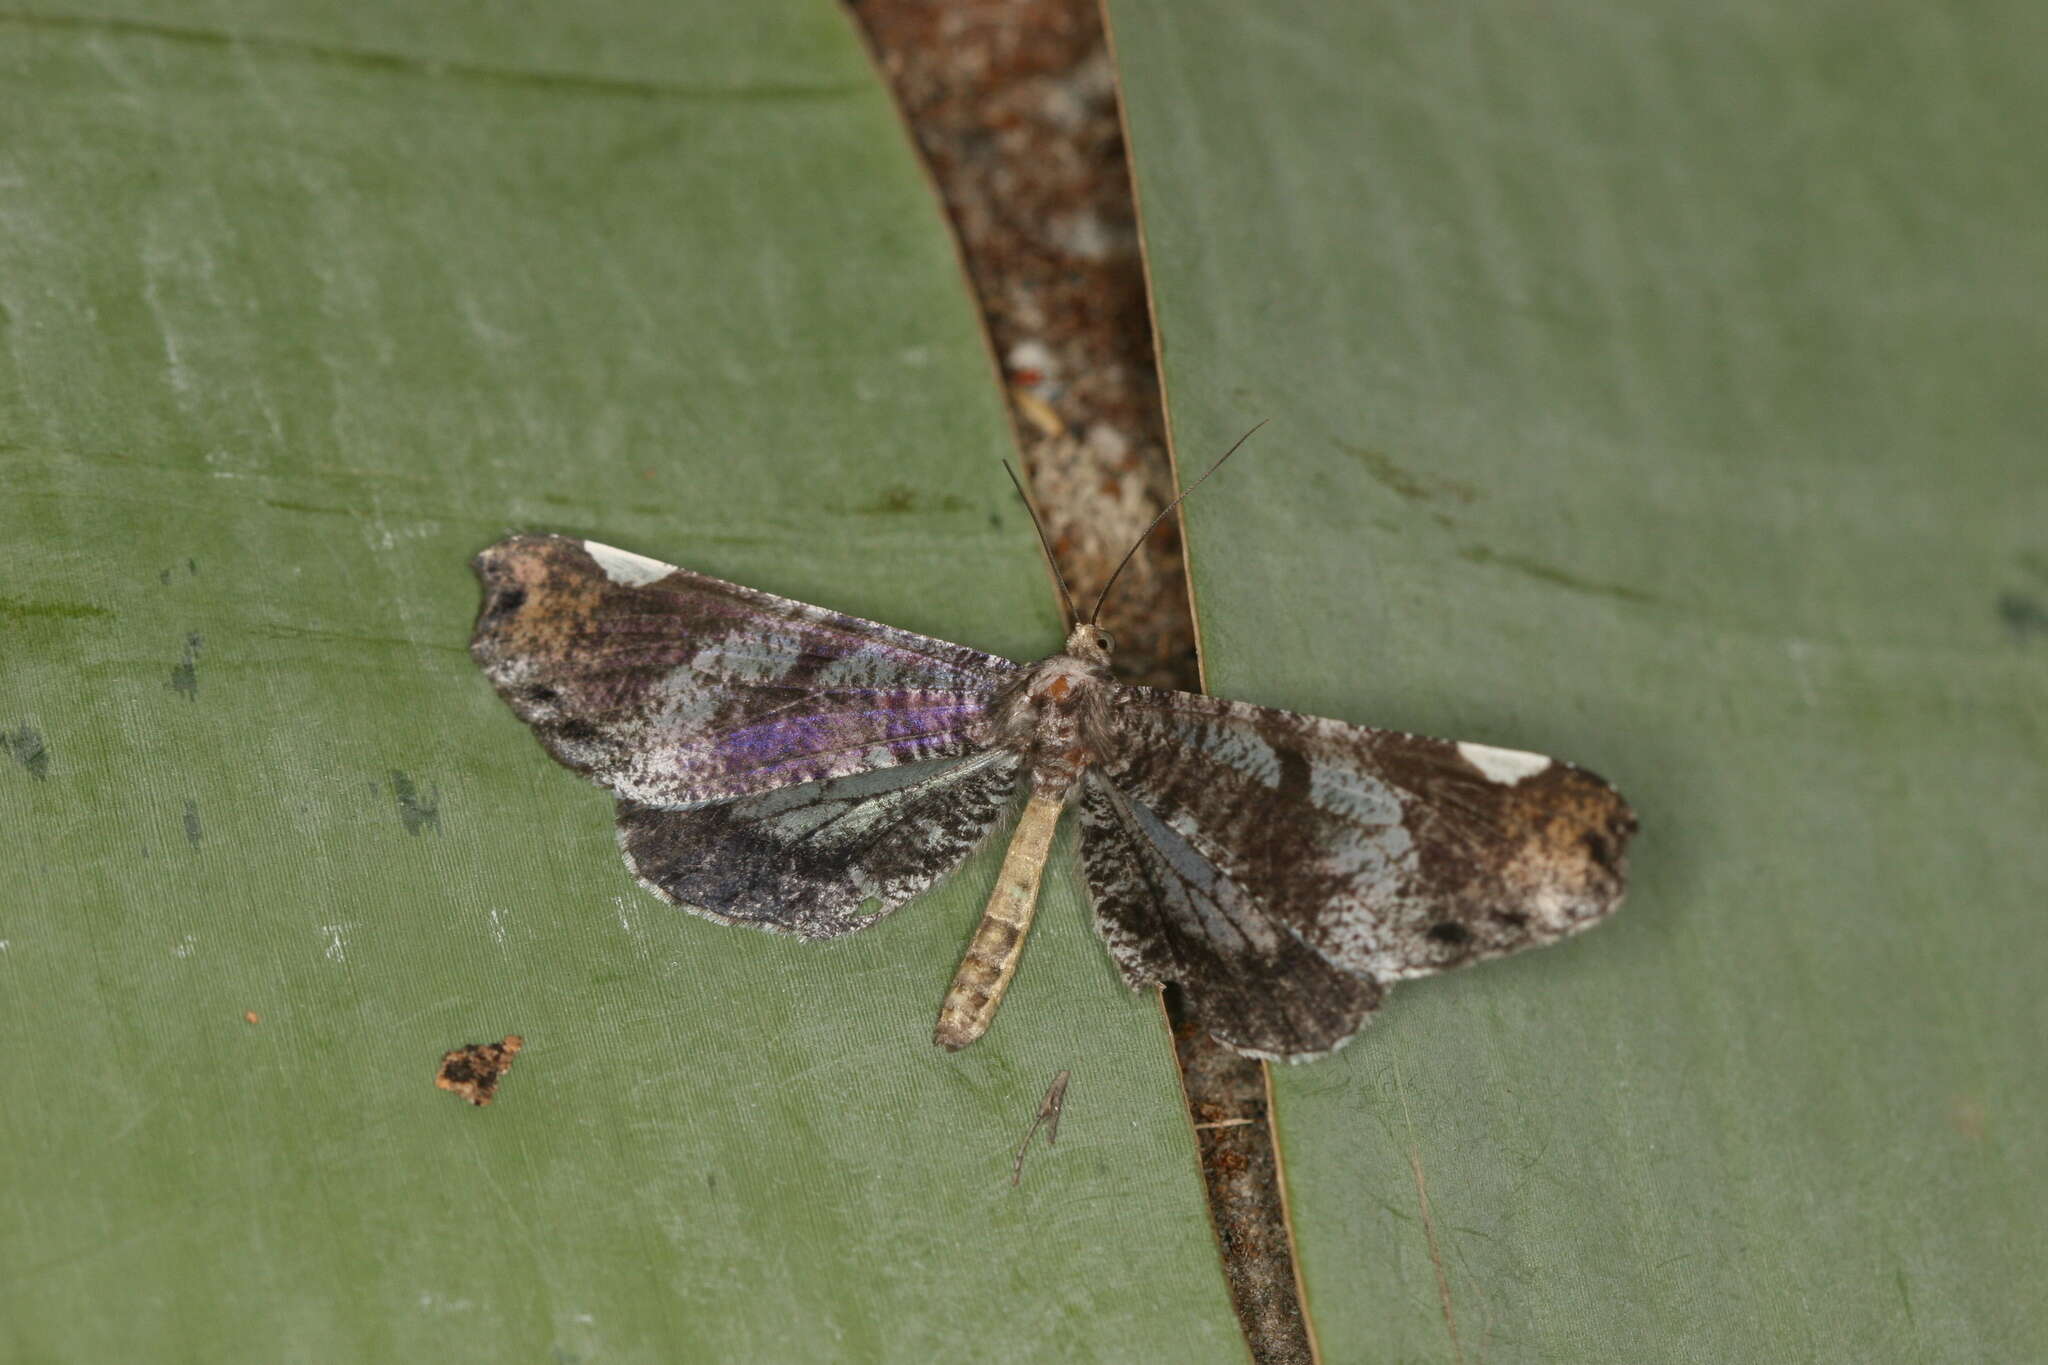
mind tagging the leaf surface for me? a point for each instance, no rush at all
(305, 305)
(1660, 389)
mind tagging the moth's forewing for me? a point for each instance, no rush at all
(675, 689)
(1390, 855)
(823, 858)
(1168, 914)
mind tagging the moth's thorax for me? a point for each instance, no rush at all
(1058, 716)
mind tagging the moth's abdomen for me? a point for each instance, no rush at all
(998, 943)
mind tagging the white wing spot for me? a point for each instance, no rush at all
(1506, 766)
(626, 568)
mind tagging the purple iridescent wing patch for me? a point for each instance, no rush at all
(674, 689)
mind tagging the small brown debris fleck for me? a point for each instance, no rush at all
(473, 1071)
(251, 1017)
(1048, 1118)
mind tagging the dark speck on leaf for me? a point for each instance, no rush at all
(2022, 615)
(164, 578)
(193, 833)
(185, 673)
(418, 813)
(29, 750)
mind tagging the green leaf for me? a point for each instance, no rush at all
(303, 307)
(1659, 388)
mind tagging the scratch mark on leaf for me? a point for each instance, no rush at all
(1436, 1259)
(1406, 482)
(20, 609)
(403, 64)
(288, 505)
(898, 499)
(280, 632)
(1546, 573)
(194, 834)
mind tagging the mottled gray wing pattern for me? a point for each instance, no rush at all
(675, 689)
(1167, 914)
(1385, 854)
(822, 858)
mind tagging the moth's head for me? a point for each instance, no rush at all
(1090, 644)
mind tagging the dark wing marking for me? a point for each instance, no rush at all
(1167, 914)
(674, 689)
(806, 859)
(1389, 855)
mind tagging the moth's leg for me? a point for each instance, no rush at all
(998, 942)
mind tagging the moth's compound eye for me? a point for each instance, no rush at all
(1106, 640)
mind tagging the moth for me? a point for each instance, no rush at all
(790, 768)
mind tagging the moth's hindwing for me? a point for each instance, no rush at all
(675, 689)
(1388, 855)
(1169, 914)
(811, 859)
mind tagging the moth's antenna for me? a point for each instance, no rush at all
(1044, 544)
(1164, 515)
